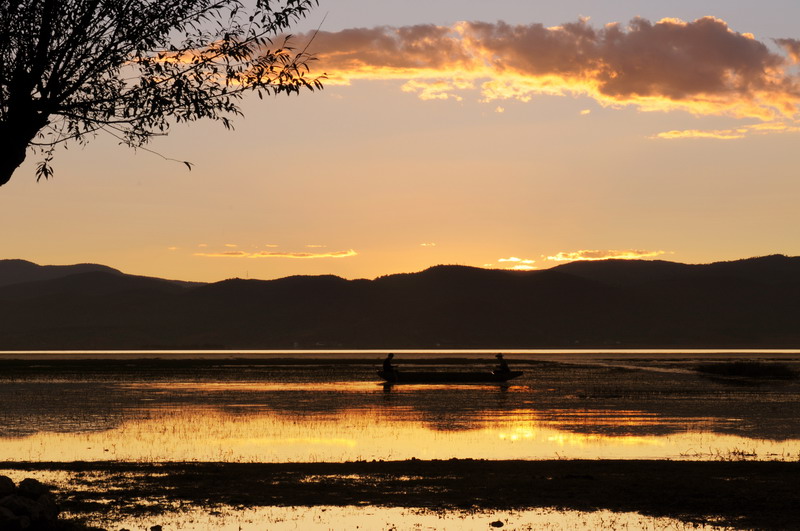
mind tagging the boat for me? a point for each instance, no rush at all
(448, 376)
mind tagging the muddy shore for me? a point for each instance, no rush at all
(741, 494)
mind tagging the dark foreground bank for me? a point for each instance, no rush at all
(741, 494)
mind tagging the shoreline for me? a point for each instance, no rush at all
(362, 355)
(741, 494)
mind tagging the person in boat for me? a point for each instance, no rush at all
(388, 368)
(502, 365)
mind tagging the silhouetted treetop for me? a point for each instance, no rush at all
(70, 69)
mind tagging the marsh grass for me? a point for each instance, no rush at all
(748, 369)
(738, 454)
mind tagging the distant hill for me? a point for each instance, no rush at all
(24, 272)
(91, 284)
(774, 268)
(613, 303)
(19, 271)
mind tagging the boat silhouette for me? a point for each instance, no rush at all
(397, 376)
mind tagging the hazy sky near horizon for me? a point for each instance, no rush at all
(571, 129)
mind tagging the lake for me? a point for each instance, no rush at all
(298, 407)
(330, 406)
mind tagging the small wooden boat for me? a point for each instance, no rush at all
(448, 376)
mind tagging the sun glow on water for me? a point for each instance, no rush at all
(236, 434)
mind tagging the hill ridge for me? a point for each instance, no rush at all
(752, 303)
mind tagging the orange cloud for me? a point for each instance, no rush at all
(224, 254)
(627, 254)
(519, 264)
(703, 66)
(719, 134)
(522, 267)
(517, 260)
(731, 134)
(792, 47)
(278, 254)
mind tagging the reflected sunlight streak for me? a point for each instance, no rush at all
(236, 435)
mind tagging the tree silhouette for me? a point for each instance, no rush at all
(70, 69)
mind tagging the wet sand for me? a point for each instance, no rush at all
(740, 494)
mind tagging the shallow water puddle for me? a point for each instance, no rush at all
(382, 518)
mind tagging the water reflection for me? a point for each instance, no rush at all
(339, 412)
(385, 518)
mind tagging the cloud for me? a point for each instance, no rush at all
(315, 246)
(792, 47)
(232, 245)
(427, 244)
(516, 267)
(523, 267)
(515, 259)
(224, 254)
(718, 134)
(627, 254)
(278, 254)
(436, 90)
(730, 134)
(519, 264)
(703, 66)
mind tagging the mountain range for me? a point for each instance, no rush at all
(750, 303)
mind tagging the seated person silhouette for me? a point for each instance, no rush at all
(388, 368)
(502, 365)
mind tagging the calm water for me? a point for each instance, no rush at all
(329, 406)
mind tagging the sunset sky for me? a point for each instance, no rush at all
(504, 134)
